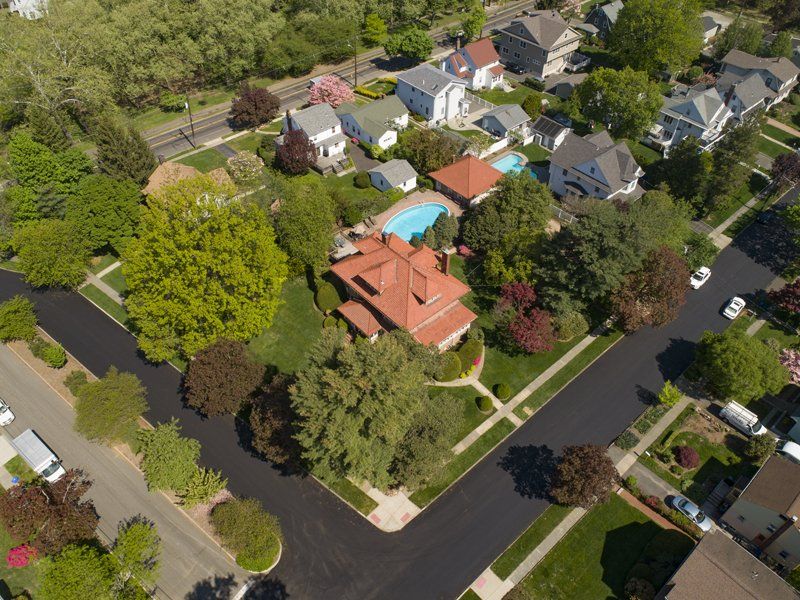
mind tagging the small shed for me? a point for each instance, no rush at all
(396, 173)
(548, 133)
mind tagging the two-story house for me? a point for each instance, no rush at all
(432, 93)
(736, 82)
(375, 123)
(542, 43)
(477, 63)
(766, 512)
(323, 128)
(603, 17)
(696, 112)
(594, 166)
(392, 284)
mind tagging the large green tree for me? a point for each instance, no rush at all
(738, 366)
(169, 460)
(204, 266)
(427, 150)
(122, 153)
(414, 44)
(137, 550)
(687, 171)
(77, 573)
(356, 402)
(52, 253)
(738, 146)
(651, 35)
(625, 100)
(108, 409)
(746, 36)
(105, 211)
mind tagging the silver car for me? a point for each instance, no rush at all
(6, 416)
(691, 510)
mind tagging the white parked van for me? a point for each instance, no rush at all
(744, 420)
(38, 456)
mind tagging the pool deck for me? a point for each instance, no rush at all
(415, 199)
(502, 155)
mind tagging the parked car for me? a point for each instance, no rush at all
(691, 510)
(790, 450)
(6, 416)
(516, 68)
(38, 455)
(733, 308)
(744, 420)
(699, 277)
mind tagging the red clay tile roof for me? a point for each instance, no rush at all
(401, 284)
(468, 177)
(361, 316)
(449, 321)
(482, 52)
(459, 65)
(496, 70)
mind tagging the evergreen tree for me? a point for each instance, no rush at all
(45, 130)
(122, 153)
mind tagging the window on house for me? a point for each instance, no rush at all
(668, 120)
(426, 110)
(521, 30)
(505, 50)
(771, 528)
(769, 80)
(522, 44)
(527, 59)
(516, 54)
(591, 169)
(563, 171)
(784, 554)
(596, 189)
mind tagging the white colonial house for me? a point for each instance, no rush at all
(752, 82)
(324, 130)
(432, 93)
(375, 123)
(477, 63)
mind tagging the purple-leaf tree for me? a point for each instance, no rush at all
(297, 153)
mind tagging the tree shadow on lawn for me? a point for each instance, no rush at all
(675, 358)
(621, 550)
(531, 468)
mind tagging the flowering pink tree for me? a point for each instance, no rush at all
(791, 360)
(331, 89)
(21, 556)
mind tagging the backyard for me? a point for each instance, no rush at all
(595, 557)
(19, 582)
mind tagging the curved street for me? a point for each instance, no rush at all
(331, 551)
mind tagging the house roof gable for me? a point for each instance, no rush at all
(468, 176)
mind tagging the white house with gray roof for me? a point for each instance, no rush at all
(594, 166)
(432, 93)
(28, 9)
(750, 82)
(396, 173)
(694, 111)
(548, 133)
(505, 119)
(375, 123)
(323, 128)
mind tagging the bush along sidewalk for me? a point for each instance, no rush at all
(250, 532)
(657, 504)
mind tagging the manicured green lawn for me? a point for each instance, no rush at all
(738, 198)
(553, 385)
(593, 560)
(10, 265)
(116, 311)
(643, 154)
(17, 467)
(353, 495)
(782, 136)
(461, 463)
(468, 133)
(600, 57)
(770, 148)
(498, 96)
(750, 215)
(472, 416)
(295, 327)
(116, 280)
(785, 338)
(381, 87)
(19, 579)
(99, 263)
(154, 116)
(205, 161)
(274, 127)
(249, 142)
(535, 153)
(532, 537)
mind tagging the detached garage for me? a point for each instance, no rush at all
(395, 173)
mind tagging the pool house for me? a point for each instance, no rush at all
(468, 180)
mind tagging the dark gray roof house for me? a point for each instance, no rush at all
(376, 118)
(710, 27)
(504, 118)
(782, 69)
(564, 87)
(316, 119)
(395, 172)
(603, 17)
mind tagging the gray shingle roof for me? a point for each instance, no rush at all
(613, 164)
(316, 119)
(428, 78)
(752, 90)
(709, 24)
(545, 28)
(697, 106)
(547, 127)
(395, 171)
(612, 10)
(508, 115)
(374, 118)
(782, 68)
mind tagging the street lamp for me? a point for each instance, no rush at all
(355, 62)
(191, 121)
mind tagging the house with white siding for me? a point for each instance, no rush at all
(432, 93)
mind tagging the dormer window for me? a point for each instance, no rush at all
(521, 30)
(591, 170)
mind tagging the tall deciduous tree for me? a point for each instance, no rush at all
(169, 460)
(356, 402)
(108, 409)
(296, 154)
(737, 148)
(375, 30)
(50, 515)
(105, 211)
(738, 366)
(741, 35)
(137, 550)
(218, 260)
(786, 169)
(254, 106)
(651, 35)
(52, 253)
(687, 171)
(654, 294)
(77, 573)
(781, 45)
(122, 153)
(331, 89)
(272, 422)
(472, 24)
(584, 476)
(17, 319)
(414, 44)
(426, 149)
(626, 101)
(221, 377)
(784, 14)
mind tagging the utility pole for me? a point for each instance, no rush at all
(355, 56)
(191, 121)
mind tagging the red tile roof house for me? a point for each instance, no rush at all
(467, 180)
(477, 63)
(392, 284)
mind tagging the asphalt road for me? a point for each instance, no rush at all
(371, 65)
(331, 552)
(119, 491)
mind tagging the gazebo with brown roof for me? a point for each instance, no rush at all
(466, 180)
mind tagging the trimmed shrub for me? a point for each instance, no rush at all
(639, 589)
(469, 352)
(476, 333)
(74, 381)
(328, 322)
(361, 180)
(694, 72)
(502, 391)
(669, 395)
(485, 404)
(249, 531)
(794, 99)
(534, 84)
(327, 298)
(687, 457)
(17, 320)
(367, 93)
(632, 484)
(626, 440)
(52, 354)
(202, 487)
(342, 324)
(653, 502)
(569, 324)
(451, 367)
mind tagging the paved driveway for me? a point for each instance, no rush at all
(119, 491)
(330, 551)
(360, 159)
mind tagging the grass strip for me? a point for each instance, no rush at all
(530, 539)
(113, 309)
(558, 381)
(462, 463)
(469, 595)
(351, 494)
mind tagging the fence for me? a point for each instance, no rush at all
(562, 215)
(478, 100)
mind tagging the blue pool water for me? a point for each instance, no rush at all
(511, 162)
(413, 221)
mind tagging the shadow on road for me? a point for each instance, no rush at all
(769, 245)
(675, 358)
(213, 588)
(267, 588)
(531, 468)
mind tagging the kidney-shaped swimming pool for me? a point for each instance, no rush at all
(414, 220)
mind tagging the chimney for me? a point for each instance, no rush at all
(458, 43)
(444, 263)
